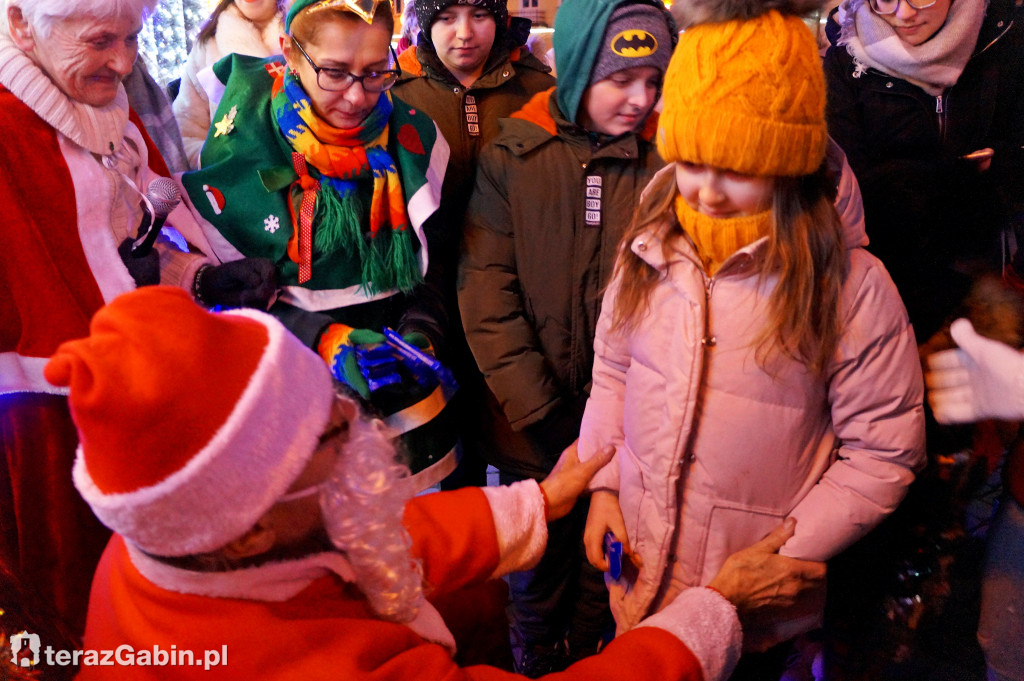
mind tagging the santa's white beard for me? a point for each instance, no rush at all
(363, 502)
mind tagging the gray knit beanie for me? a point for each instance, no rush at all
(636, 35)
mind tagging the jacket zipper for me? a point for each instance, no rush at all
(707, 342)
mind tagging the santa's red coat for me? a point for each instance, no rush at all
(327, 631)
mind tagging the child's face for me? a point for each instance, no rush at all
(722, 193)
(619, 103)
(463, 36)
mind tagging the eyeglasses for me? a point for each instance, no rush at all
(887, 7)
(335, 80)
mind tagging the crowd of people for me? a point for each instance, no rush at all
(678, 298)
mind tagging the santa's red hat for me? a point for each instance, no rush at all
(192, 423)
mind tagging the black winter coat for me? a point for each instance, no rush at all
(929, 212)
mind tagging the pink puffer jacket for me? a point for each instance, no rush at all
(713, 451)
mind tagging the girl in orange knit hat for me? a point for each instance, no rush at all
(753, 361)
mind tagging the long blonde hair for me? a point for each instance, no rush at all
(805, 249)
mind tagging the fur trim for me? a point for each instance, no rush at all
(273, 582)
(709, 626)
(212, 500)
(236, 34)
(518, 512)
(713, 11)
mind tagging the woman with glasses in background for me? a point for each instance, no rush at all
(927, 99)
(314, 165)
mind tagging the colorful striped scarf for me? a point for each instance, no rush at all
(343, 158)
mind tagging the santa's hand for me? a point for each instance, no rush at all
(981, 379)
(758, 577)
(569, 478)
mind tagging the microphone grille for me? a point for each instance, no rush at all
(163, 193)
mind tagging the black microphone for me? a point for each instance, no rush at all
(163, 194)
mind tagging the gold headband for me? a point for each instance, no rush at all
(364, 8)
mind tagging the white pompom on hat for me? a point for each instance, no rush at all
(192, 423)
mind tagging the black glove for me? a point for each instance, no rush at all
(249, 282)
(145, 270)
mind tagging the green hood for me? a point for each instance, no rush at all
(582, 24)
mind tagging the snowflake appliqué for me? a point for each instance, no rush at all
(272, 223)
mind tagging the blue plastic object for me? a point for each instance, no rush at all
(613, 549)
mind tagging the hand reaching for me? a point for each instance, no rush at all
(337, 347)
(980, 379)
(758, 577)
(569, 478)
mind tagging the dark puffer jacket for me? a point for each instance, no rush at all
(511, 77)
(928, 210)
(533, 270)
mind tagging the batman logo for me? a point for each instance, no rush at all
(633, 43)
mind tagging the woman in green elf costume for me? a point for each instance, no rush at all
(314, 165)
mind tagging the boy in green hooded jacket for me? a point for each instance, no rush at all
(554, 192)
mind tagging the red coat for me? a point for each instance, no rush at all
(58, 265)
(327, 631)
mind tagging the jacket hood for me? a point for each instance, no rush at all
(579, 28)
(539, 112)
(849, 203)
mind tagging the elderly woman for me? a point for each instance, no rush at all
(926, 98)
(74, 166)
(315, 166)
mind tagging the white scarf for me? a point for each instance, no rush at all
(933, 65)
(237, 34)
(99, 129)
(276, 582)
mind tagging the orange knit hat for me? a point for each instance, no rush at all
(192, 424)
(746, 95)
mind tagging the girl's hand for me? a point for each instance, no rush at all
(605, 516)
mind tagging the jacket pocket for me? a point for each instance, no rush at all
(729, 528)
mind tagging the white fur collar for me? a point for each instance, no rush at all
(235, 33)
(275, 582)
(100, 130)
